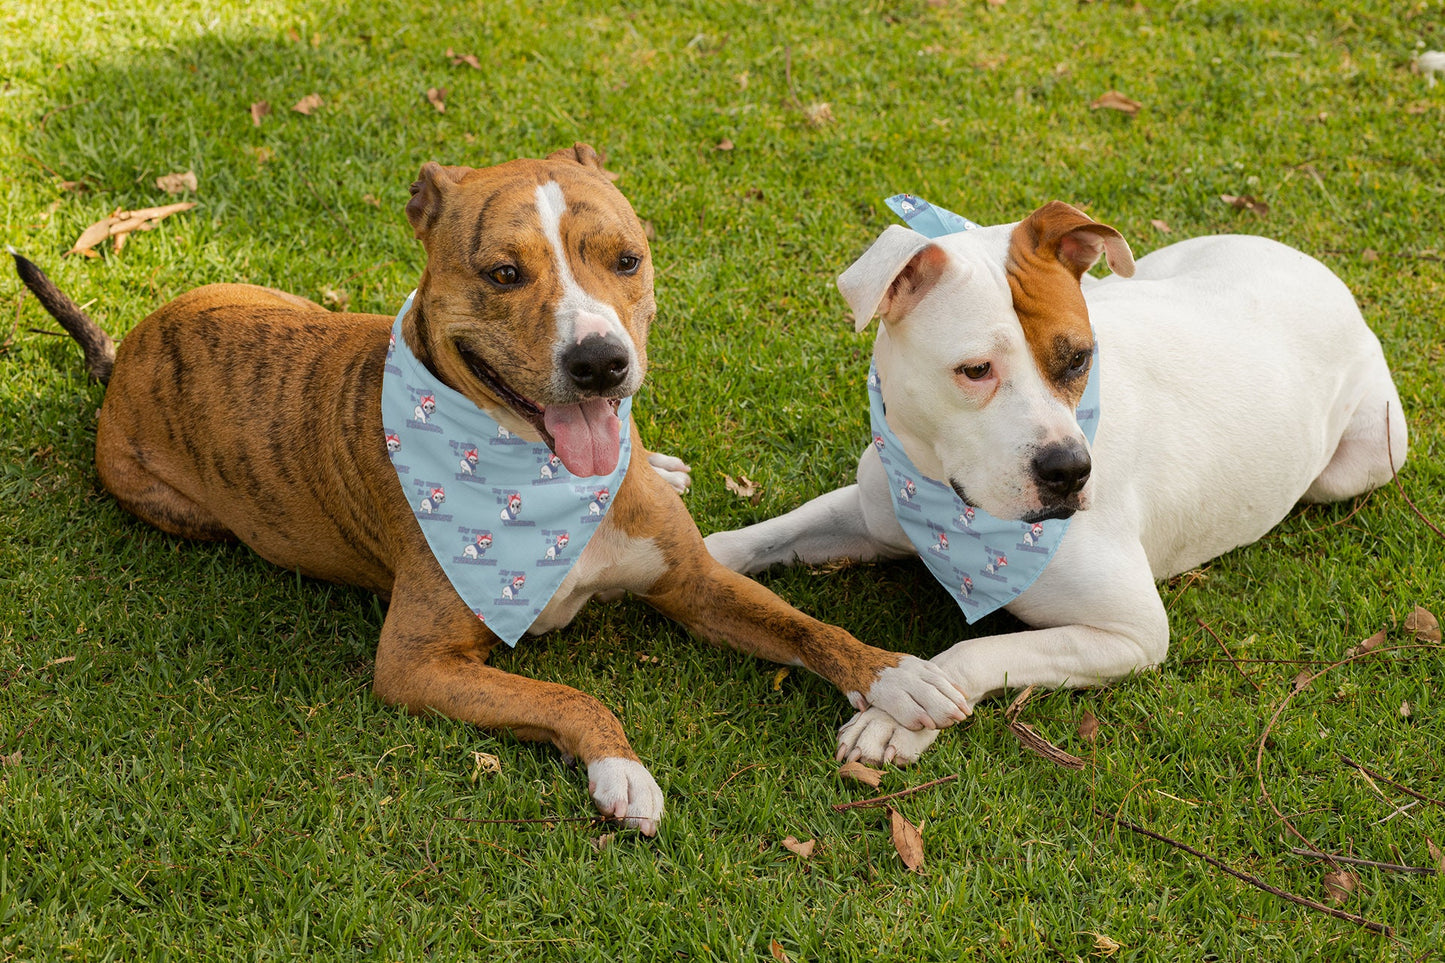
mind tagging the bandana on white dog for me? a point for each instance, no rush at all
(505, 526)
(984, 562)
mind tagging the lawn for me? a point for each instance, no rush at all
(192, 765)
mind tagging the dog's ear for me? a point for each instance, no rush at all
(427, 193)
(1077, 240)
(584, 155)
(891, 276)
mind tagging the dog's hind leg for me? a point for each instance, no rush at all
(1372, 447)
(432, 658)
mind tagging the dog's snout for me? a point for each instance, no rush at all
(596, 363)
(1061, 470)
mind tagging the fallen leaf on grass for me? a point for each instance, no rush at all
(601, 842)
(260, 153)
(1423, 625)
(864, 774)
(1106, 946)
(177, 183)
(1245, 202)
(1113, 100)
(484, 762)
(121, 223)
(469, 59)
(1373, 642)
(11, 760)
(743, 487)
(436, 96)
(778, 678)
(335, 299)
(1435, 854)
(819, 115)
(258, 110)
(1301, 680)
(60, 661)
(804, 849)
(1405, 710)
(906, 839)
(307, 104)
(724, 144)
(1161, 227)
(779, 954)
(1088, 726)
(1339, 884)
(1369, 255)
(371, 199)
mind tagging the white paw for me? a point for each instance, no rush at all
(674, 471)
(874, 737)
(918, 694)
(624, 790)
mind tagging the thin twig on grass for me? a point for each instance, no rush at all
(1354, 861)
(879, 800)
(1395, 477)
(1228, 655)
(595, 820)
(1375, 775)
(1030, 739)
(1254, 881)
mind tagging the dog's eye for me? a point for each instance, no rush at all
(974, 372)
(628, 264)
(505, 275)
(1078, 361)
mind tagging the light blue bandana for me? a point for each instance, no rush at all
(504, 519)
(984, 562)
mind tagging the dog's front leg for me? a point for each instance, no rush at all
(855, 523)
(432, 658)
(1101, 623)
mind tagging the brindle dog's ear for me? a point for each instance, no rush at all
(426, 195)
(584, 155)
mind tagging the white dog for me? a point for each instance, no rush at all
(1237, 378)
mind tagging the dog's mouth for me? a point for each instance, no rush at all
(584, 435)
(1064, 509)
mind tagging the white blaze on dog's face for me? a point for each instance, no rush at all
(536, 299)
(985, 351)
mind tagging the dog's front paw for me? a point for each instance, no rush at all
(674, 471)
(624, 790)
(874, 737)
(916, 693)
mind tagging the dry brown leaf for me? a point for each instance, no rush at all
(484, 763)
(779, 954)
(648, 231)
(1088, 726)
(60, 661)
(1161, 226)
(260, 152)
(1369, 255)
(1301, 680)
(123, 222)
(1105, 946)
(1406, 710)
(724, 144)
(819, 115)
(1113, 100)
(371, 199)
(177, 183)
(1339, 884)
(778, 678)
(1373, 642)
(258, 110)
(469, 59)
(1423, 625)
(335, 299)
(743, 487)
(601, 842)
(1436, 855)
(906, 839)
(307, 104)
(1246, 202)
(803, 849)
(436, 96)
(864, 774)
(11, 760)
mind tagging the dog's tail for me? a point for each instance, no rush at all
(98, 346)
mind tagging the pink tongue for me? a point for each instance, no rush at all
(585, 436)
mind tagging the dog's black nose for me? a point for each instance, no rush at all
(596, 363)
(1061, 470)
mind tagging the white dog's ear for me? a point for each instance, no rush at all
(891, 276)
(1077, 240)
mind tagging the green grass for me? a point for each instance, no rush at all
(202, 772)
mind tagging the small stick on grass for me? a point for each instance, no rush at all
(1375, 775)
(1228, 655)
(880, 800)
(1394, 477)
(1353, 861)
(1254, 881)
